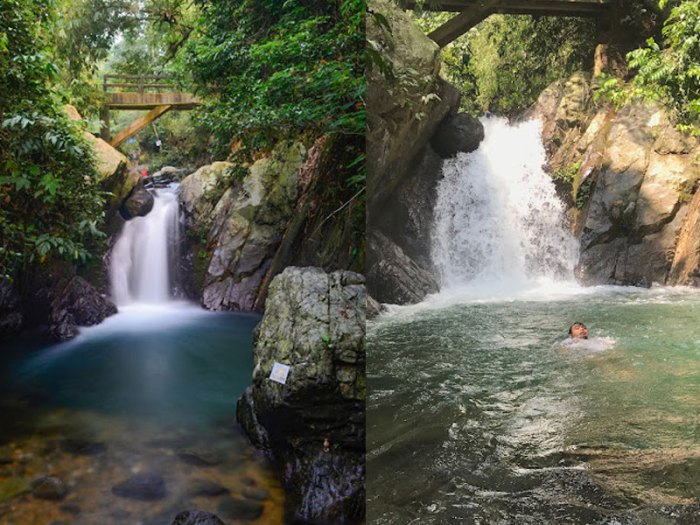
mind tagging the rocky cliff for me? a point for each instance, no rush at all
(246, 223)
(632, 179)
(412, 125)
(312, 425)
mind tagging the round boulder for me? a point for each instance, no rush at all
(459, 133)
(138, 204)
(49, 487)
(145, 487)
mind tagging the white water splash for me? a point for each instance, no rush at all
(140, 262)
(499, 226)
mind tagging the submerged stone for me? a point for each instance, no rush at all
(49, 487)
(242, 509)
(196, 517)
(202, 487)
(146, 487)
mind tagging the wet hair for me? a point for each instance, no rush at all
(575, 324)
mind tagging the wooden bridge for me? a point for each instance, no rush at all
(140, 92)
(471, 12)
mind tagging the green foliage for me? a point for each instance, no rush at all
(672, 72)
(50, 198)
(583, 193)
(277, 68)
(668, 72)
(567, 174)
(505, 62)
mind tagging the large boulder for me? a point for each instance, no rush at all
(116, 177)
(312, 425)
(248, 223)
(409, 132)
(457, 133)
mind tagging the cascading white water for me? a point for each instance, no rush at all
(499, 225)
(140, 263)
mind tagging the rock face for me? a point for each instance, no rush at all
(244, 226)
(312, 426)
(394, 277)
(200, 191)
(409, 133)
(637, 226)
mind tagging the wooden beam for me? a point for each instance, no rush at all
(463, 22)
(533, 5)
(138, 124)
(474, 11)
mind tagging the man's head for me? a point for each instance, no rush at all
(578, 331)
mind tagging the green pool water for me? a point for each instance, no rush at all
(150, 390)
(478, 414)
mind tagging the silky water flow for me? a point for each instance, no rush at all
(146, 398)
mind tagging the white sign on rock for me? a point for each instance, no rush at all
(279, 372)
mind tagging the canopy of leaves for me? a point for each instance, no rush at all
(505, 62)
(50, 203)
(670, 71)
(272, 69)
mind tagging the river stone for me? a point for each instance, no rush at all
(77, 303)
(458, 133)
(49, 487)
(138, 203)
(200, 457)
(83, 446)
(146, 487)
(202, 487)
(196, 517)
(255, 493)
(241, 509)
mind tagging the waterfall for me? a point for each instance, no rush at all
(499, 224)
(140, 262)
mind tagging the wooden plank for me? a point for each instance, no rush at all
(135, 100)
(139, 86)
(138, 124)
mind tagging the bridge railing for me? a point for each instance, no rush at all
(136, 84)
